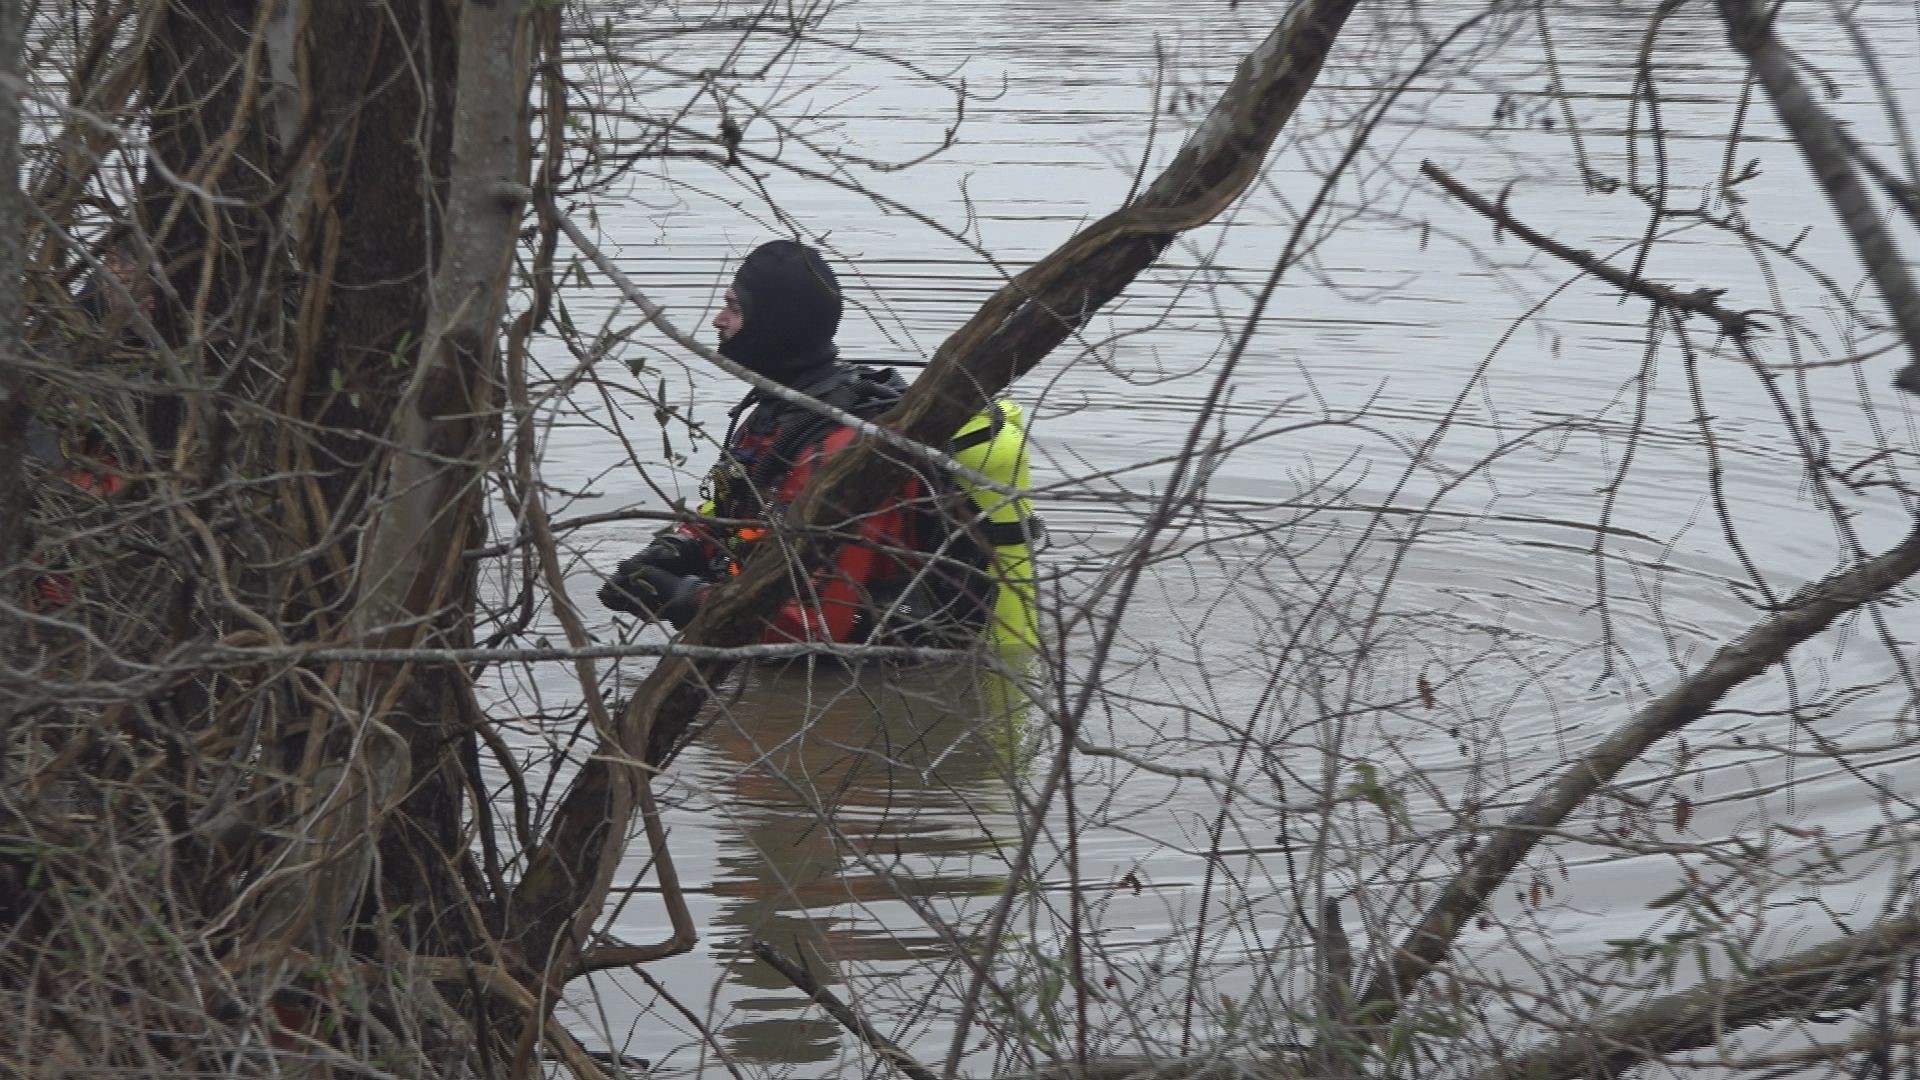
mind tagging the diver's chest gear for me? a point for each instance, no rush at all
(764, 448)
(976, 542)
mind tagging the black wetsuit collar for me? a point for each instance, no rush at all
(816, 382)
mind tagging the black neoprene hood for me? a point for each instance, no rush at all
(791, 303)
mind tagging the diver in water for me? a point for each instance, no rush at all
(927, 566)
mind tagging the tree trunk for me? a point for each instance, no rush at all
(203, 78)
(381, 89)
(415, 581)
(13, 383)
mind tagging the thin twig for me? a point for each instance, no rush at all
(800, 977)
(1698, 302)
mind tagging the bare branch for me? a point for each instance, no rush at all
(1702, 301)
(1750, 27)
(1808, 612)
(800, 977)
(1841, 974)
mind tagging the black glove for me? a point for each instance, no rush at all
(641, 588)
(676, 553)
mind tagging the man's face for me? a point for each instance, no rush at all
(728, 320)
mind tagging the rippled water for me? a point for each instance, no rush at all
(1397, 358)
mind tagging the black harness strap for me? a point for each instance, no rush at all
(996, 423)
(1028, 530)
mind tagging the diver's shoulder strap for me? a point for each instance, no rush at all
(870, 391)
(867, 392)
(996, 415)
(1028, 529)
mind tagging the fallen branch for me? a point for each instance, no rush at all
(578, 1060)
(800, 977)
(1872, 1039)
(478, 654)
(1808, 612)
(1698, 302)
(1840, 974)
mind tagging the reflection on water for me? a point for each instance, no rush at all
(863, 809)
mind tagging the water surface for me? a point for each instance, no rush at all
(1446, 461)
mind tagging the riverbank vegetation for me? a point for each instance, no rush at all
(315, 762)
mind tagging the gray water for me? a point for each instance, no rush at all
(859, 817)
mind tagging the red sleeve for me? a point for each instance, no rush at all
(835, 593)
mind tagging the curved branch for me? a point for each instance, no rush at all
(1807, 613)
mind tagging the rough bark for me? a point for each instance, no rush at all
(13, 406)
(453, 377)
(380, 90)
(378, 86)
(414, 584)
(565, 880)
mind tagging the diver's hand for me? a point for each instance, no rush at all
(677, 553)
(639, 587)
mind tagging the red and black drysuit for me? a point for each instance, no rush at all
(878, 586)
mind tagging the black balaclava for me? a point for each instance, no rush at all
(791, 303)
